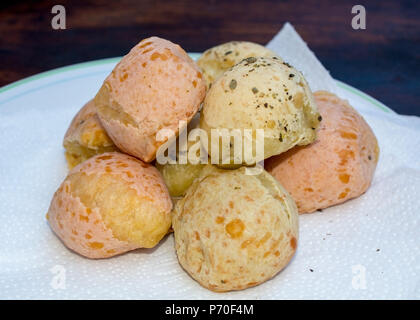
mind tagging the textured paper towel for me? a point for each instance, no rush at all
(290, 46)
(365, 248)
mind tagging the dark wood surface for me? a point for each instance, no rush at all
(383, 60)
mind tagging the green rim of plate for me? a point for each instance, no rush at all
(193, 55)
(363, 95)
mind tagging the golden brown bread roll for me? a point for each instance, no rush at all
(179, 176)
(86, 137)
(215, 61)
(233, 230)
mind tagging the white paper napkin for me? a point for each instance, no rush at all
(365, 248)
(290, 46)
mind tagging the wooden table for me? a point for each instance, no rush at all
(383, 60)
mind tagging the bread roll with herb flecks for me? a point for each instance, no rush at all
(215, 61)
(260, 93)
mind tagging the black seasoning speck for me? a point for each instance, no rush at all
(266, 105)
(319, 118)
(311, 270)
(228, 52)
(369, 157)
(286, 64)
(291, 75)
(290, 97)
(285, 129)
(232, 84)
(254, 90)
(281, 138)
(251, 59)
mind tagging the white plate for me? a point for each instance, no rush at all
(34, 115)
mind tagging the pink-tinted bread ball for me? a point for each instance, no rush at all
(110, 204)
(153, 87)
(337, 167)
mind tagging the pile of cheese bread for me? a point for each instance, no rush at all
(234, 228)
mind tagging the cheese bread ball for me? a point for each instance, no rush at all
(338, 166)
(266, 94)
(214, 61)
(178, 177)
(110, 204)
(153, 87)
(233, 230)
(86, 137)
